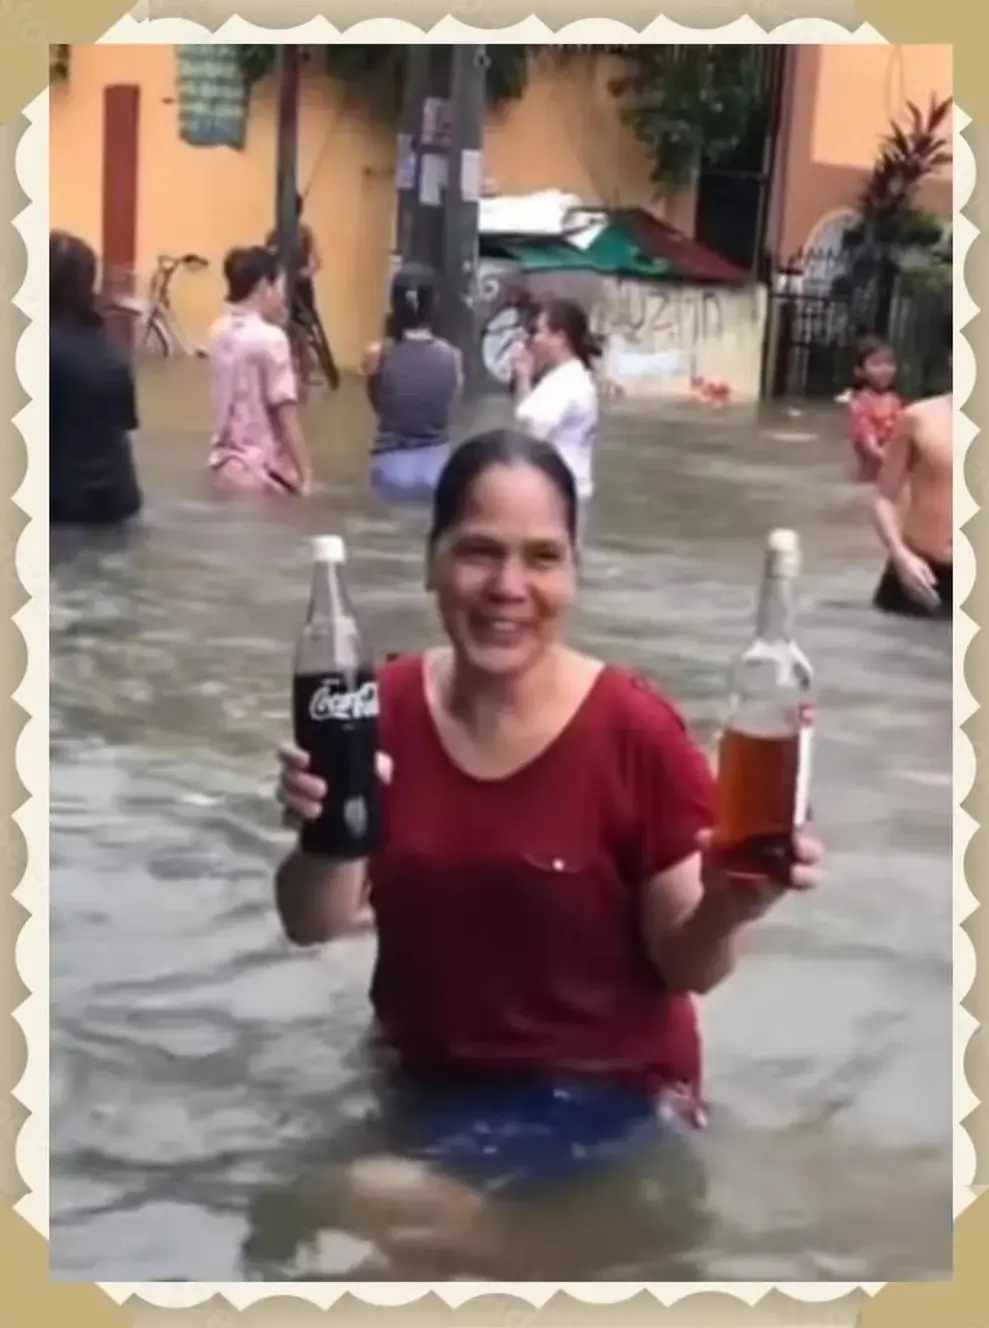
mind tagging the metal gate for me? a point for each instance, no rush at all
(823, 302)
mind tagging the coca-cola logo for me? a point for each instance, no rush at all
(361, 703)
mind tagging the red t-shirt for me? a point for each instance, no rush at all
(508, 910)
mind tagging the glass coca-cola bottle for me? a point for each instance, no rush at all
(335, 712)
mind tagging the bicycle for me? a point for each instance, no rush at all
(310, 343)
(158, 328)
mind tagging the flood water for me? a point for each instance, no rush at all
(201, 1067)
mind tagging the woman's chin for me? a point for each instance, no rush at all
(499, 658)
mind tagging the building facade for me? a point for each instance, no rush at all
(124, 179)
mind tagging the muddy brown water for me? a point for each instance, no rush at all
(202, 1069)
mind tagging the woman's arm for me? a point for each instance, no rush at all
(690, 939)
(282, 398)
(319, 900)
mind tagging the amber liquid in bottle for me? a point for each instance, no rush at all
(764, 754)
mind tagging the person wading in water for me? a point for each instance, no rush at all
(917, 534)
(257, 442)
(546, 899)
(92, 406)
(304, 300)
(412, 378)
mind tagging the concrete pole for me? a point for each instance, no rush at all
(465, 177)
(421, 166)
(287, 165)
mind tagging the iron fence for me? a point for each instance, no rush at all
(824, 301)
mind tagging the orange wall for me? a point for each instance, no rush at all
(563, 134)
(842, 102)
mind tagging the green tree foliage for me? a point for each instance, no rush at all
(376, 74)
(685, 103)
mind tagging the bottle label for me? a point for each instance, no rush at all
(805, 740)
(343, 707)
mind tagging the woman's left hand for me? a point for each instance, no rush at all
(746, 900)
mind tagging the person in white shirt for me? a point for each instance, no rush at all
(557, 398)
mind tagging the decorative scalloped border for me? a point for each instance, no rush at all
(32, 567)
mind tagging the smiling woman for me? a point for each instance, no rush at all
(542, 904)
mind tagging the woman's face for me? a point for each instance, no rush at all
(505, 575)
(548, 347)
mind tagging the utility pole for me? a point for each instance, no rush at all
(465, 177)
(287, 166)
(421, 169)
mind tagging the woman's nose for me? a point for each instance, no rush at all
(508, 580)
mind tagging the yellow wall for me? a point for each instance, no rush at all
(843, 99)
(861, 88)
(564, 133)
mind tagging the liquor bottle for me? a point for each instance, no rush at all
(764, 758)
(335, 712)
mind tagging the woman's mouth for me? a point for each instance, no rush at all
(498, 631)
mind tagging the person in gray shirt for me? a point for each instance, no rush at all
(413, 378)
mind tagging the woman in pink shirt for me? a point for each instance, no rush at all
(257, 440)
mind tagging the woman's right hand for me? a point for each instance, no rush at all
(301, 793)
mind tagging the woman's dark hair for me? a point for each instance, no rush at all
(498, 447)
(72, 280)
(245, 269)
(865, 348)
(413, 300)
(569, 318)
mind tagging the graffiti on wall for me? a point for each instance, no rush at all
(658, 335)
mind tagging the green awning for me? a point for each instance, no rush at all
(614, 253)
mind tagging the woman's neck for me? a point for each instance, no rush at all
(482, 702)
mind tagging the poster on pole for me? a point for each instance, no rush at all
(432, 179)
(405, 165)
(471, 175)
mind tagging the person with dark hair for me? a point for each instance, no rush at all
(412, 380)
(557, 398)
(257, 442)
(92, 401)
(304, 305)
(545, 901)
(874, 406)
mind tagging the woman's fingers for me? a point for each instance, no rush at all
(807, 850)
(291, 757)
(302, 795)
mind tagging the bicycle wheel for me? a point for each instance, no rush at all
(321, 349)
(154, 341)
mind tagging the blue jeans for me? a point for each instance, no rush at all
(523, 1137)
(408, 473)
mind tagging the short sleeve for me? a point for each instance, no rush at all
(280, 386)
(672, 790)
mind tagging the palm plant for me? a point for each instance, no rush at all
(890, 219)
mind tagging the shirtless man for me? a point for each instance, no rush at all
(916, 528)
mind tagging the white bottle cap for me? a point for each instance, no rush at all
(328, 549)
(784, 541)
(783, 547)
